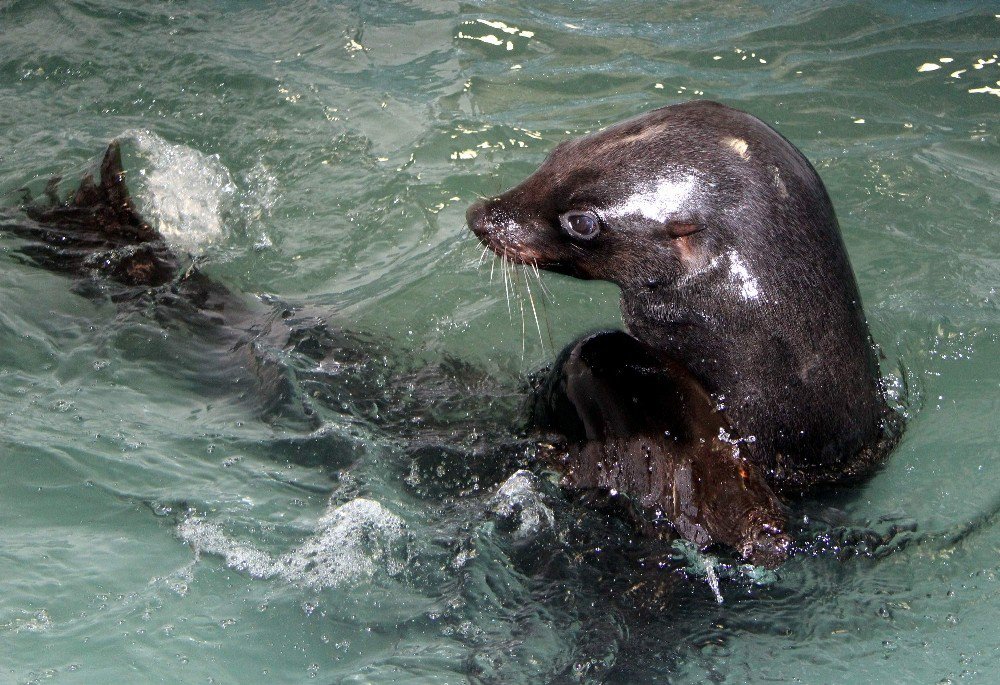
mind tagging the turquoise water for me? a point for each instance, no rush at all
(156, 530)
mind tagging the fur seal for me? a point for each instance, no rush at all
(732, 269)
(747, 370)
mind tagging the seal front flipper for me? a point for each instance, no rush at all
(706, 495)
(641, 427)
(97, 230)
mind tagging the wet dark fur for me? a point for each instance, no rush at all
(787, 357)
(794, 367)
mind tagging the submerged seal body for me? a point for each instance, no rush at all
(730, 261)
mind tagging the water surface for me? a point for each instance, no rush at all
(157, 531)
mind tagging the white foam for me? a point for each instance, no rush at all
(520, 498)
(258, 202)
(29, 621)
(208, 538)
(182, 192)
(354, 542)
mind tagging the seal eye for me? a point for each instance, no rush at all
(580, 225)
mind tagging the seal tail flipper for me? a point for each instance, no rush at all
(97, 231)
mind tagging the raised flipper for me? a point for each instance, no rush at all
(644, 428)
(97, 230)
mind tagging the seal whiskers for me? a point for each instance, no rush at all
(534, 311)
(482, 257)
(506, 285)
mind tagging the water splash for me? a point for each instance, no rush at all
(30, 621)
(700, 564)
(182, 192)
(257, 203)
(520, 504)
(355, 542)
(712, 579)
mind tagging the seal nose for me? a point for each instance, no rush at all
(475, 217)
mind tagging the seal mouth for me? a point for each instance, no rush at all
(515, 254)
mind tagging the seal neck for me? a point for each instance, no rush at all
(805, 401)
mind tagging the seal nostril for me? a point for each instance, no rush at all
(475, 216)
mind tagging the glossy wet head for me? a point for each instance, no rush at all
(654, 199)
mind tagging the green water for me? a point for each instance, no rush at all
(150, 530)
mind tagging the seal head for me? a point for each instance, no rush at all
(727, 250)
